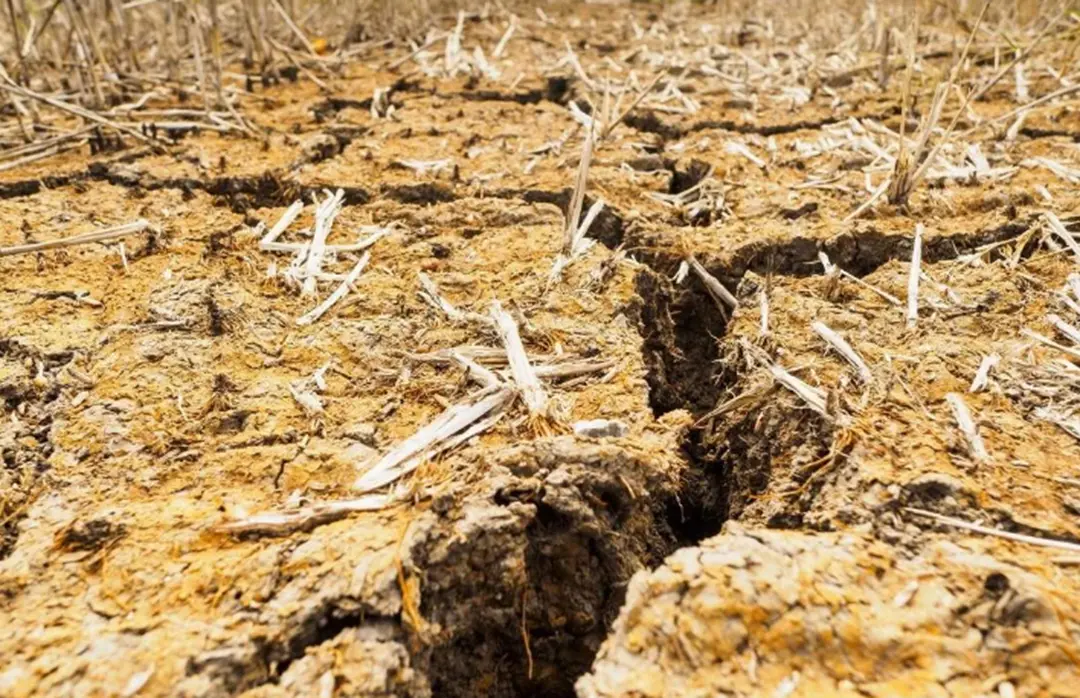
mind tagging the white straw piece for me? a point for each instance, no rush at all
(913, 278)
(982, 376)
(1059, 229)
(716, 289)
(429, 292)
(763, 304)
(985, 530)
(338, 293)
(976, 447)
(482, 375)
(1064, 328)
(104, 235)
(532, 391)
(810, 395)
(577, 201)
(280, 523)
(269, 241)
(1046, 341)
(845, 350)
(409, 454)
(325, 214)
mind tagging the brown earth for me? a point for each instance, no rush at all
(734, 541)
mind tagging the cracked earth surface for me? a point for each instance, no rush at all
(732, 542)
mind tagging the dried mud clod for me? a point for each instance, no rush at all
(734, 615)
(545, 560)
(31, 382)
(507, 592)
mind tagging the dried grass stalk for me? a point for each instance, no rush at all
(982, 376)
(339, 293)
(431, 439)
(976, 528)
(913, 278)
(812, 396)
(283, 523)
(106, 235)
(716, 289)
(845, 350)
(962, 414)
(532, 391)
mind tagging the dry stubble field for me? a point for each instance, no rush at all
(814, 267)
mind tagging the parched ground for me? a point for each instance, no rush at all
(735, 538)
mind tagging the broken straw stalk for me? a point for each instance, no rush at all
(282, 523)
(1059, 229)
(106, 235)
(913, 278)
(338, 293)
(982, 376)
(409, 454)
(716, 289)
(531, 390)
(810, 395)
(962, 414)
(845, 350)
(325, 214)
(574, 241)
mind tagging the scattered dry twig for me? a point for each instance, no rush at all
(524, 376)
(913, 278)
(283, 523)
(106, 235)
(985, 530)
(845, 350)
(721, 295)
(967, 427)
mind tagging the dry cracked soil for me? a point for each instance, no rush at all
(768, 520)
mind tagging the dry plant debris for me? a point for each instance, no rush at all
(604, 348)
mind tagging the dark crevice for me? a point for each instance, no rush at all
(262, 661)
(268, 190)
(29, 187)
(556, 91)
(552, 564)
(703, 503)
(681, 180)
(608, 228)
(322, 625)
(649, 122)
(1050, 133)
(333, 104)
(859, 252)
(333, 142)
(766, 130)
(424, 193)
(24, 461)
(681, 329)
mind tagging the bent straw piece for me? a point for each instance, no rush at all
(318, 311)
